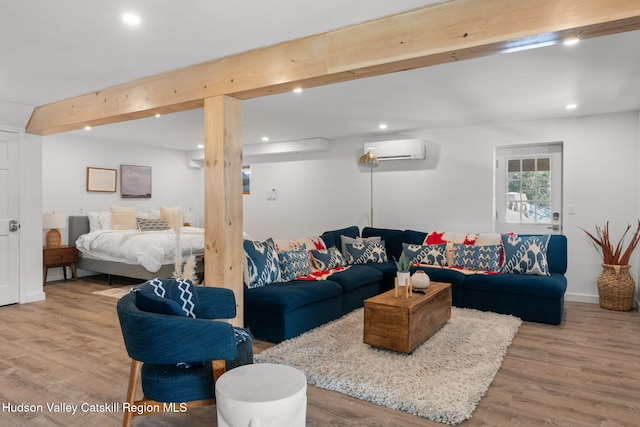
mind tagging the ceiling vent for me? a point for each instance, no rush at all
(399, 149)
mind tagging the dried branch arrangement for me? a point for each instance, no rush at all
(617, 255)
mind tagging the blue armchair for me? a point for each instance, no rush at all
(179, 358)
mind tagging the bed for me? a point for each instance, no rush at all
(142, 266)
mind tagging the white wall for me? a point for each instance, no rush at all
(65, 158)
(30, 219)
(453, 188)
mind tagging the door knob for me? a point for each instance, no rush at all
(14, 225)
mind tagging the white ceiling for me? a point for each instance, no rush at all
(55, 50)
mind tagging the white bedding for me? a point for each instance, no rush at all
(150, 249)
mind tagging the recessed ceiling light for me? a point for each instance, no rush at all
(87, 128)
(382, 126)
(297, 90)
(571, 41)
(572, 106)
(131, 19)
(265, 138)
(200, 145)
(158, 115)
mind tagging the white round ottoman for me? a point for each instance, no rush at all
(262, 395)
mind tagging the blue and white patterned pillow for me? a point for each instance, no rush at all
(481, 258)
(261, 263)
(327, 259)
(525, 255)
(426, 254)
(175, 297)
(364, 253)
(294, 263)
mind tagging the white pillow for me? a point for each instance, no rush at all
(94, 221)
(105, 220)
(154, 213)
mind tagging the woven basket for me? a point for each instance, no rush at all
(616, 287)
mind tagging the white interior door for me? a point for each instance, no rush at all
(528, 194)
(9, 215)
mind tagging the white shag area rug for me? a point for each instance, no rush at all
(442, 380)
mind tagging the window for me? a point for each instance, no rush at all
(528, 190)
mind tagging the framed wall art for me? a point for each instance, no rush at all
(135, 182)
(101, 180)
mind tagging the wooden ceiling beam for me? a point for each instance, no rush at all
(436, 34)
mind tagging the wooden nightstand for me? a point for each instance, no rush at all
(61, 256)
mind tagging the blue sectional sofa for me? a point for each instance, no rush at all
(283, 310)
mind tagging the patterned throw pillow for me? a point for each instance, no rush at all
(159, 224)
(364, 253)
(327, 259)
(311, 242)
(294, 263)
(480, 258)
(525, 255)
(261, 263)
(426, 254)
(176, 297)
(350, 240)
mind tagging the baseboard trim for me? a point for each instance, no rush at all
(592, 299)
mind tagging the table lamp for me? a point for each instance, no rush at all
(52, 221)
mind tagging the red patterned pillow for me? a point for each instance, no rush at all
(435, 238)
(312, 243)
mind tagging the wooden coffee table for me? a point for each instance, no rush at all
(402, 324)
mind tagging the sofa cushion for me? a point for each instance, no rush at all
(364, 253)
(392, 238)
(525, 255)
(479, 258)
(426, 254)
(327, 259)
(287, 296)
(261, 265)
(553, 286)
(414, 237)
(294, 263)
(356, 276)
(437, 274)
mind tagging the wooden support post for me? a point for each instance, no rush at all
(223, 197)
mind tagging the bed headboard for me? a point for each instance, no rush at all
(78, 225)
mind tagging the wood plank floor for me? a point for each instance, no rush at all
(69, 349)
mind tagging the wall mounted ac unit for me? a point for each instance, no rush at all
(399, 149)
